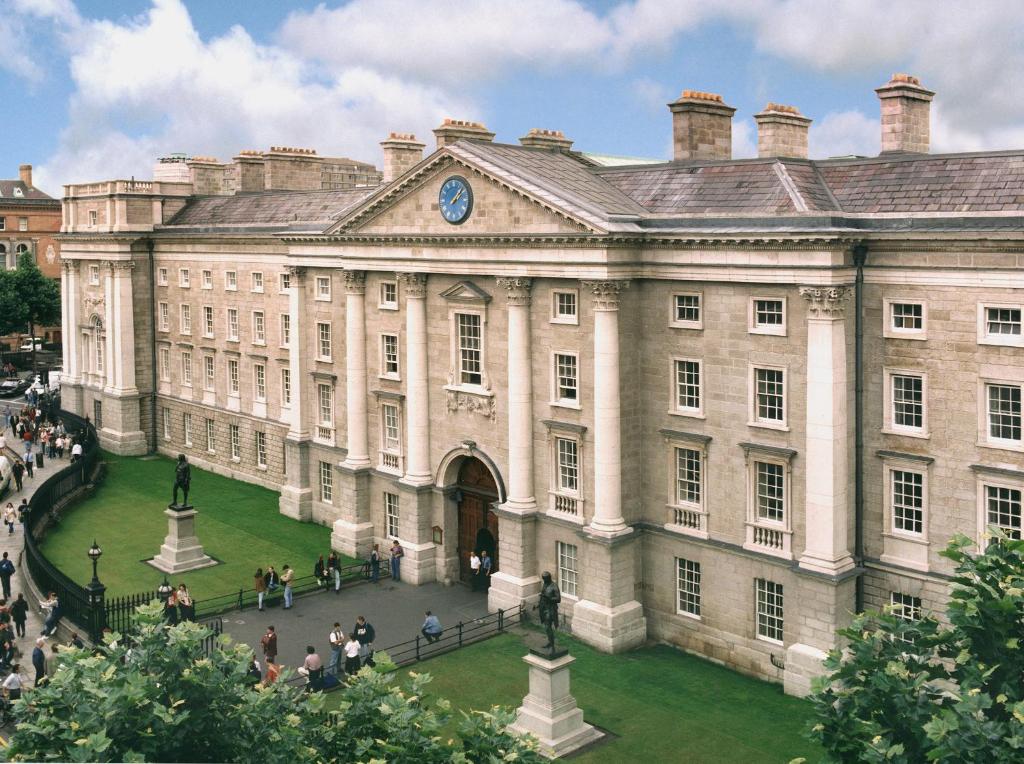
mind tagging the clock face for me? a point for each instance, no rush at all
(455, 200)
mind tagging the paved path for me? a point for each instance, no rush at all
(394, 609)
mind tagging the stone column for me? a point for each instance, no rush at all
(296, 495)
(355, 369)
(124, 328)
(108, 328)
(65, 317)
(72, 368)
(417, 415)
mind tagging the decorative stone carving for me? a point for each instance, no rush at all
(121, 265)
(472, 402)
(355, 282)
(518, 290)
(51, 254)
(94, 302)
(826, 302)
(414, 284)
(69, 266)
(606, 293)
(296, 271)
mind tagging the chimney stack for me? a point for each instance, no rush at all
(782, 132)
(401, 151)
(905, 115)
(25, 173)
(452, 130)
(292, 169)
(546, 139)
(701, 126)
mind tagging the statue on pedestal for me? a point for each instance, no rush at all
(548, 607)
(182, 480)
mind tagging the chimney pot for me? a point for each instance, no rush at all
(452, 130)
(25, 174)
(782, 132)
(401, 152)
(546, 139)
(906, 111)
(701, 126)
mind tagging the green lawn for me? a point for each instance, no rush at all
(238, 523)
(664, 705)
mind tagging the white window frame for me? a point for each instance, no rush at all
(94, 275)
(260, 439)
(286, 387)
(323, 431)
(230, 281)
(208, 321)
(161, 277)
(889, 328)
(764, 534)
(763, 617)
(391, 437)
(256, 282)
(392, 513)
(163, 316)
(557, 316)
(689, 599)
(986, 479)
(185, 318)
(567, 558)
(906, 607)
(675, 408)
(456, 349)
(211, 437)
(207, 279)
(184, 278)
(163, 355)
(753, 327)
(259, 327)
(186, 368)
(384, 304)
(675, 322)
(326, 474)
(1010, 340)
(754, 420)
(232, 325)
(234, 441)
(22, 221)
(186, 424)
(985, 438)
(889, 414)
(259, 382)
(209, 373)
(684, 516)
(565, 503)
(900, 546)
(384, 372)
(324, 341)
(234, 383)
(322, 290)
(285, 325)
(165, 414)
(284, 282)
(94, 218)
(556, 387)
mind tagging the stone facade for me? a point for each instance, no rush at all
(661, 413)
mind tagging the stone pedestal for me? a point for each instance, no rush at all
(549, 711)
(181, 549)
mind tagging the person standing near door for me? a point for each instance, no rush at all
(474, 566)
(375, 563)
(396, 560)
(485, 569)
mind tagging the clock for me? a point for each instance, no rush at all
(455, 200)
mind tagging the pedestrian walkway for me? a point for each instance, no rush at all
(395, 610)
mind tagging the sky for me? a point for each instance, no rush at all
(98, 89)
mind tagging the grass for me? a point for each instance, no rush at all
(238, 524)
(662, 704)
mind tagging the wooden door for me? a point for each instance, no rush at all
(471, 519)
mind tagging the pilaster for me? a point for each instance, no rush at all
(521, 490)
(358, 455)
(352, 532)
(516, 582)
(296, 494)
(419, 565)
(417, 466)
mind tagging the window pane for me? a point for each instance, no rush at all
(565, 377)
(568, 465)
(469, 348)
(770, 393)
(567, 568)
(1005, 321)
(1004, 412)
(1004, 509)
(908, 316)
(771, 492)
(688, 385)
(688, 308)
(688, 482)
(769, 610)
(768, 312)
(688, 586)
(908, 501)
(908, 401)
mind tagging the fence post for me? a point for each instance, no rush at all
(460, 633)
(501, 619)
(417, 647)
(240, 598)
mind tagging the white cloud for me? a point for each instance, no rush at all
(17, 49)
(744, 139)
(841, 133)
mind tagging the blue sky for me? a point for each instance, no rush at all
(100, 88)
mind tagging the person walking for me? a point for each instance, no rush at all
(375, 563)
(269, 644)
(474, 567)
(365, 635)
(76, 451)
(10, 517)
(19, 614)
(287, 574)
(39, 661)
(337, 640)
(352, 648)
(6, 571)
(18, 469)
(432, 628)
(397, 553)
(259, 583)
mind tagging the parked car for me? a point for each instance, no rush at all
(13, 388)
(26, 345)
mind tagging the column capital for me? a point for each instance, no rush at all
(606, 293)
(355, 282)
(414, 284)
(296, 271)
(518, 289)
(121, 265)
(68, 266)
(826, 301)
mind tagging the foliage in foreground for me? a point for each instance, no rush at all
(164, 699)
(916, 691)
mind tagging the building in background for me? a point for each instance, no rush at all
(726, 402)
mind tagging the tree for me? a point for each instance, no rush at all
(28, 298)
(914, 691)
(165, 698)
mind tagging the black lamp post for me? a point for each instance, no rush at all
(96, 591)
(164, 590)
(94, 554)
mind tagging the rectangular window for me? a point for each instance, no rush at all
(161, 276)
(3, 223)
(284, 281)
(326, 483)
(186, 422)
(688, 587)
(259, 378)
(323, 288)
(389, 295)
(186, 319)
(261, 449)
(94, 218)
(231, 280)
(566, 378)
(233, 324)
(905, 607)
(164, 355)
(565, 307)
(209, 373)
(286, 387)
(768, 315)
(392, 436)
(770, 491)
(233, 376)
(207, 279)
(208, 320)
(164, 317)
(257, 281)
(907, 501)
(236, 448)
(769, 391)
(908, 401)
(259, 328)
(186, 367)
(568, 571)
(1002, 321)
(286, 330)
(22, 224)
(470, 348)
(567, 453)
(94, 275)
(165, 414)
(769, 610)
(323, 333)
(389, 355)
(686, 311)
(391, 513)
(907, 316)
(100, 346)
(211, 440)
(1003, 509)
(97, 414)
(184, 278)
(689, 483)
(325, 399)
(688, 385)
(1004, 416)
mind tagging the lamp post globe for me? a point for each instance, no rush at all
(94, 554)
(164, 590)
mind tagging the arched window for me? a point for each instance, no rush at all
(19, 250)
(3, 255)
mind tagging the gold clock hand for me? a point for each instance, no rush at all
(456, 197)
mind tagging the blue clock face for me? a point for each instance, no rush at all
(455, 200)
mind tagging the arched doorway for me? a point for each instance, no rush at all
(478, 525)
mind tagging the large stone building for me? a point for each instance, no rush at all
(29, 223)
(726, 401)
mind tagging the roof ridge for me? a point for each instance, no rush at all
(787, 183)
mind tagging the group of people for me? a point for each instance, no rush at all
(271, 582)
(350, 651)
(395, 554)
(37, 435)
(481, 566)
(179, 606)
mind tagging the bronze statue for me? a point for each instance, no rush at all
(182, 479)
(548, 606)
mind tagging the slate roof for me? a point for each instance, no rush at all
(28, 193)
(273, 208)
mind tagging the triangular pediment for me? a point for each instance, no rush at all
(410, 206)
(466, 291)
